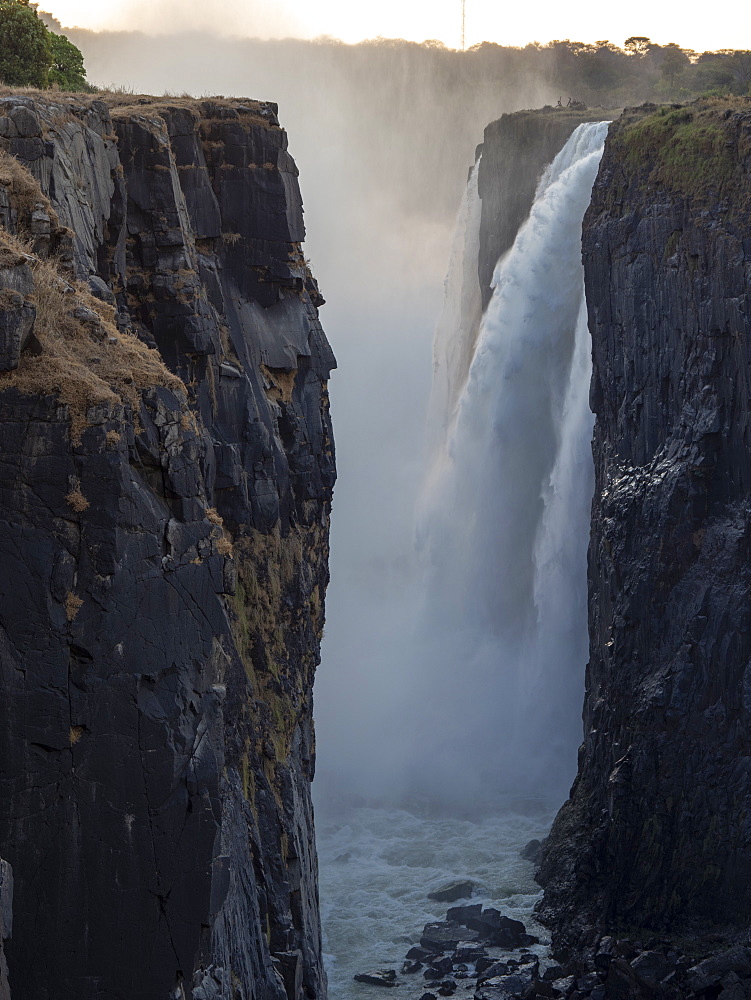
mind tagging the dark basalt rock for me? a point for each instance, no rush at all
(6, 923)
(164, 567)
(445, 936)
(384, 977)
(499, 930)
(653, 836)
(452, 891)
(531, 851)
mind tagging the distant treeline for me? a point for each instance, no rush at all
(641, 70)
(397, 122)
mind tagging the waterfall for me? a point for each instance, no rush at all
(458, 325)
(502, 641)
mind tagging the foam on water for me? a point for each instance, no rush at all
(377, 867)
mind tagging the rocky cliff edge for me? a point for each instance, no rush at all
(167, 468)
(655, 835)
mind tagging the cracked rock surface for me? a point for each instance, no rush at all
(655, 834)
(163, 552)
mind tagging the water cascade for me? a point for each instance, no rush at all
(504, 520)
(488, 722)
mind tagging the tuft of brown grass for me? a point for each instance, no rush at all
(85, 360)
(25, 193)
(76, 732)
(73, 605)
(224, 547)
(77, 500)
(112, 438)
(282, 382)
(213, 515)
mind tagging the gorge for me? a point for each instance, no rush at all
(167, 478)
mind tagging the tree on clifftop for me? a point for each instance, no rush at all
(25, 50)
(67, 64)
(33, 56)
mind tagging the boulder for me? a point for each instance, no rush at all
(417, 954)
(461, 914)
(492, 971)
(501, 931)
(451, 891)
(506, 987)
(410, 968)
(623, 983)
(736, 959)
(438, 967)
(652, 967)
(445, 936)
(469, 951)
(382, 977)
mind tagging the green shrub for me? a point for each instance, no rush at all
(67, 71)
(25, 49)
(33, 56)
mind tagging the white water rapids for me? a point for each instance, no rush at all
(489, 715)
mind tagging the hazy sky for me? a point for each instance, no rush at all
(686, 23)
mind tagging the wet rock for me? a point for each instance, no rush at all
(417, 954)
(438, 967)
(410, 968)
(501, 987)
(604, 954)
(531, 851)
(541, 988)
(428, 996)
(469, 951)
(587, 983)
(382, 977)
(623, 983)
(553, 972)
(451, 891)
(462, 914)
(493, 970)
(652, 967)
(501, 931)
(445, 936)
(736, 959)
(564, 985)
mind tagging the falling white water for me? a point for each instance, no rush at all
(504, 523)
(456, 331)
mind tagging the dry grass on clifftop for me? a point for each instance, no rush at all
(84, 360)
(23, 190)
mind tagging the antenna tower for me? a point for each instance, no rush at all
(463, 22)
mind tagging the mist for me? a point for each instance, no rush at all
(384, 135)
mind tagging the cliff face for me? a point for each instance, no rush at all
(656, 832)
(516, 149)
(167, 468)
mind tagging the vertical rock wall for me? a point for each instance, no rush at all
(163, 544)
(516, 149)
(656, 832)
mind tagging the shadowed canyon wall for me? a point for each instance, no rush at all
(167, 468)
(656, 832)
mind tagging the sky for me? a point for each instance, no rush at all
(686, 23)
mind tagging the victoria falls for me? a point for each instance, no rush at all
(374, 503)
